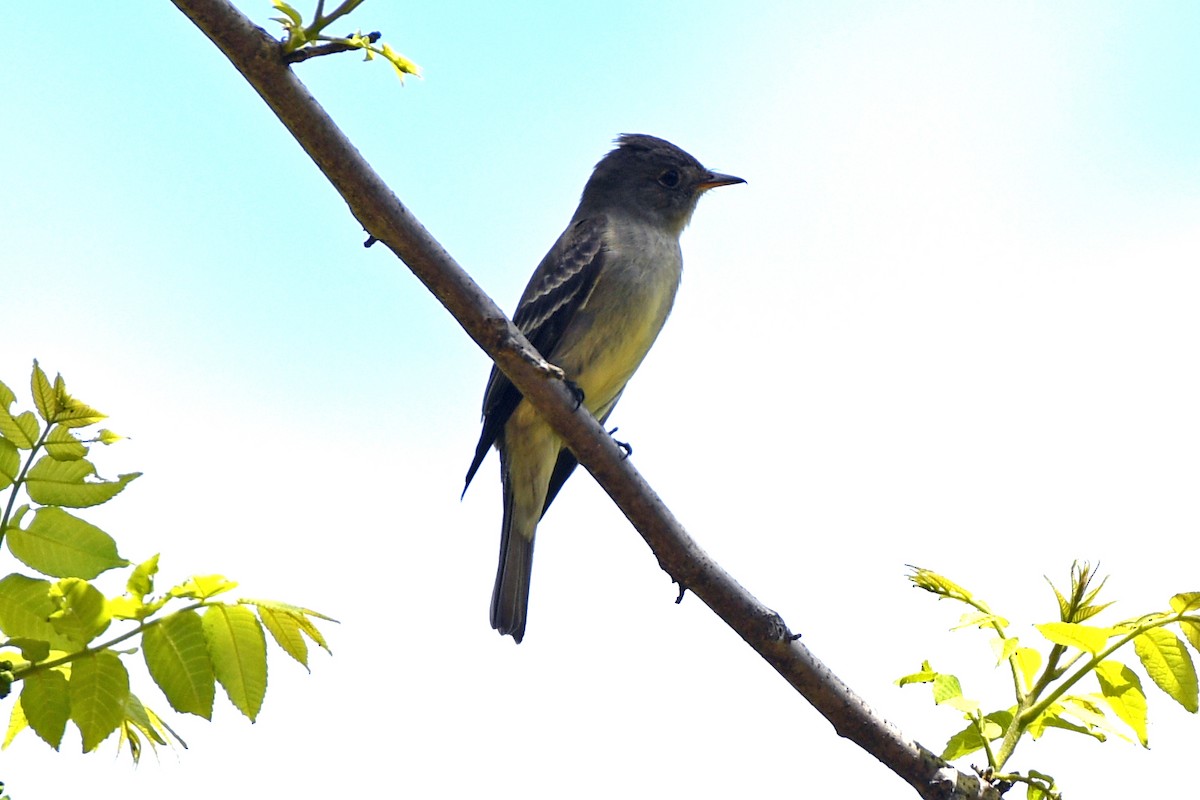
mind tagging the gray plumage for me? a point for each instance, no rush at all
(594, 306)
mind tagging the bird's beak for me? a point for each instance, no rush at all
(716, 179)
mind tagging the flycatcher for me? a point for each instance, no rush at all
(593, 307)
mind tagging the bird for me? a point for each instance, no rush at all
(593, 308)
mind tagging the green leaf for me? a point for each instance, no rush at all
(16, 723)
(44, 397)
(1185, 602)
(138, 715)
(73, 413)
(46, 705)
(22, 430)
(178, 660)
(202, 587)
(107, 437)
(1029, 661)
(99, 686)
(140, 584)
(291, 13)
(1042, 776)
(1089, 711)
(62, 445)
(945, 687)
(1005, 648)
(128, 608)
(1122, 690)
(239, 655)
(141, 580)
(32, 650)
(1168, 664)
(1082, 637)
(401, 64)
(18, 515)
(1078, 607)
(285, 630)
(980, 619)
(82, 613)
(301, 616)
(930, 581)
(963, 743)
(6, 396)
(63, 483)
(64, 546)
(131, 738)
(1191, 630)
(163, 728)
(141, 721)
(10, 462)
(968, 740)
(1188, 603)
(1087, 612)
(1052, 717)
(25, 606)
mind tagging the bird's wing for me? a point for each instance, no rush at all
(560, 285)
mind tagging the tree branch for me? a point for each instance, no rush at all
(258, 57)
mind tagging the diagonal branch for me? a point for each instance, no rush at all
(258, 57)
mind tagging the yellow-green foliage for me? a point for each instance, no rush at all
(53, 648)
(1046, 692)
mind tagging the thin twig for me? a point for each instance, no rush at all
(327, 49)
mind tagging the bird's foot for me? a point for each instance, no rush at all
(546, 368)
(576, 392)
(626, 447)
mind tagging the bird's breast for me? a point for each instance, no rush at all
(615, 328)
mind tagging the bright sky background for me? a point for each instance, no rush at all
(950, 321)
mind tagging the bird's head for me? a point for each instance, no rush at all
(651, 178)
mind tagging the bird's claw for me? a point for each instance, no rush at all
(547, 368)
(626, 447)
(576, 392)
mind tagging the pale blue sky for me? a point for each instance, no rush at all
(950, 321)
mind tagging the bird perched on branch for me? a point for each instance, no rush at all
(593, 308)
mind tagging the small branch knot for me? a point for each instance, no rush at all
(776, 629)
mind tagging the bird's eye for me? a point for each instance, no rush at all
(669, 179)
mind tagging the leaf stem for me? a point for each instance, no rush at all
(987, 745)
(20, 479)
(1027, 714)
(19, 674)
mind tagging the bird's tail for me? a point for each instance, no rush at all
(510, 597)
